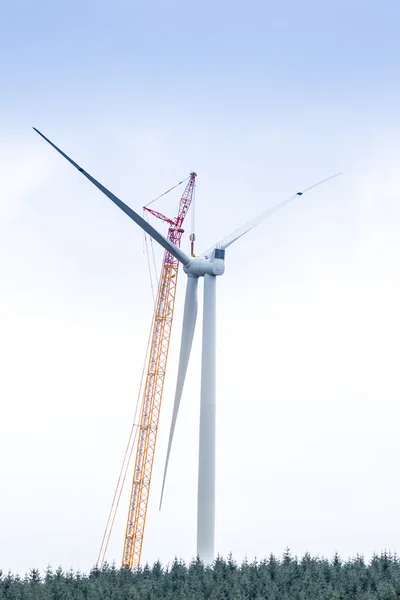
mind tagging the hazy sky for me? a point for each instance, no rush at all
(261, 99)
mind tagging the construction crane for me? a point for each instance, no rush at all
(154, 384)
(153, 389)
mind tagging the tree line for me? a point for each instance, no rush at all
(285, 578)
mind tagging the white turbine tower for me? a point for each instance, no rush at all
(210, 265)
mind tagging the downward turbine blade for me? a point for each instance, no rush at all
(238, 233)
(188, 327)
(158, 237)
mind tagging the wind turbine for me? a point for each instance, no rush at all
(209, 265)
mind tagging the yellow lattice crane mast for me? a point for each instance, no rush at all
(154, 385)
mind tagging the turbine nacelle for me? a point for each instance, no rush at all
(205, 265)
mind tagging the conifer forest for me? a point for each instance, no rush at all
(287, 578)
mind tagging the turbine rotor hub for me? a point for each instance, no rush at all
(203, 265)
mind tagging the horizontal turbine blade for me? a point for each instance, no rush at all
(188, 327)
(158, 237)
(238, 233)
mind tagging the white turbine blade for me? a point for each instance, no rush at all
(158, 237)
(188, 327)
(238, 233)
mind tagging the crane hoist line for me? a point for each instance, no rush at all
(154, 384)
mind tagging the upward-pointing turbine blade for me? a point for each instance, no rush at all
(188, 327)
(158, 237)
(238, 233)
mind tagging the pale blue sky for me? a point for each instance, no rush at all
(261, 99)
(207, 62)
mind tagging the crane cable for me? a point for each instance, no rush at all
(153, 256)
(170, 190)
(149, 267)
(133, 433)
(123, 471)
(146, 251)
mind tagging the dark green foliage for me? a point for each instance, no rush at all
(289, 578)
